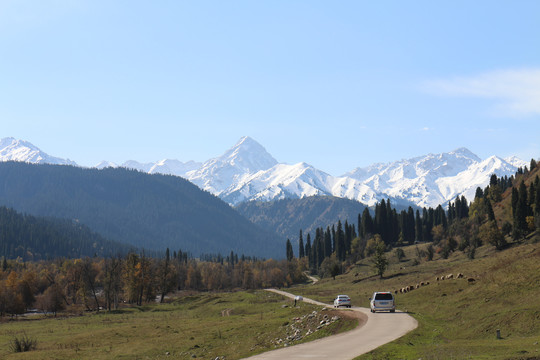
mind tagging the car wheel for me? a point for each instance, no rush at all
(393, 310)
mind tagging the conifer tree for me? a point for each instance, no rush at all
(520, 214)
(515, 198)
(531, 199)
(537, 203)
(327, 243)
(367, 224)
(348, 237)
(410, 235)
(418, 227)
(301, 253)
(340, 242)
(479, 193)
(309, 250)
(290, 254)
(537, 197)
(489, 210)
(359, 225)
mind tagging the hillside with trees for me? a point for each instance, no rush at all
(35, 238)
(151, 211)
(508, 209)
(287, 216)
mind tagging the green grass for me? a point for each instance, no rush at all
(457, 320)
(206, 325)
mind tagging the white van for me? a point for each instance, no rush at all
(382, 301)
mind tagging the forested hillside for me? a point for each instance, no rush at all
(286, 217)
(36, 238)
(150, 211)
(508, 209)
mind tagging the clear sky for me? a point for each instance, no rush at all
(337, 84)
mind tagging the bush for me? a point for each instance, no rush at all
(23, 344)
(400, 254)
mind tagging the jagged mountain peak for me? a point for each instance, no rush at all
(463, 151)
(12, 149)
(245, 158)
(515, 161)
(248, 154)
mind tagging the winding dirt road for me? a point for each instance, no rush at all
(377, 329)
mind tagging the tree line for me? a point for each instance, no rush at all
(32, 238)
(107, 283)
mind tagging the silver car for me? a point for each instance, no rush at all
(382, 301)
(342, 300)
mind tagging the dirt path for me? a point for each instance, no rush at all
(312, 278)
(377, 329)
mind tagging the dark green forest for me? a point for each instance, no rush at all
(286, 216)
(33, 238)
(151, 211)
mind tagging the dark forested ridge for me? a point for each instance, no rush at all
(151, 211)
(287, 216)
(37, 238)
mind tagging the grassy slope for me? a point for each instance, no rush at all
(456, 319)
(190, 326)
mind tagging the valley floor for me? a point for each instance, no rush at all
(203, 325)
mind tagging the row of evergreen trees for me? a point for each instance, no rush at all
(525, 208)
(395, 229)
(36, 238)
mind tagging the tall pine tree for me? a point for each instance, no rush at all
(300, 245)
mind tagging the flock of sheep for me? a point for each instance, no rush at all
(406, 289)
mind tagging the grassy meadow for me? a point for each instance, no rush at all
(207, 325)
(457, 319)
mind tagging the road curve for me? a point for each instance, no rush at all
(379, 329)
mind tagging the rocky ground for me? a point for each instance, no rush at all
(301, 327)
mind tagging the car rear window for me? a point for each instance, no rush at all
(383, 296)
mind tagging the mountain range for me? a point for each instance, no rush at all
(247, 172)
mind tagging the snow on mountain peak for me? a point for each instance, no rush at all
(105, 164)
(515, 161)
(12, 149)
(243, 159)
(464, 152)
(249, 155)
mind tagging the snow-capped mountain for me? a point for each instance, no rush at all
(165, 166)
(248, 172)
(105, 164)
(425, 180)
(278, 182)
(18, 150)
(417, 179)
(220, 174)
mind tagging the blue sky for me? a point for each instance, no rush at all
(335, 84)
